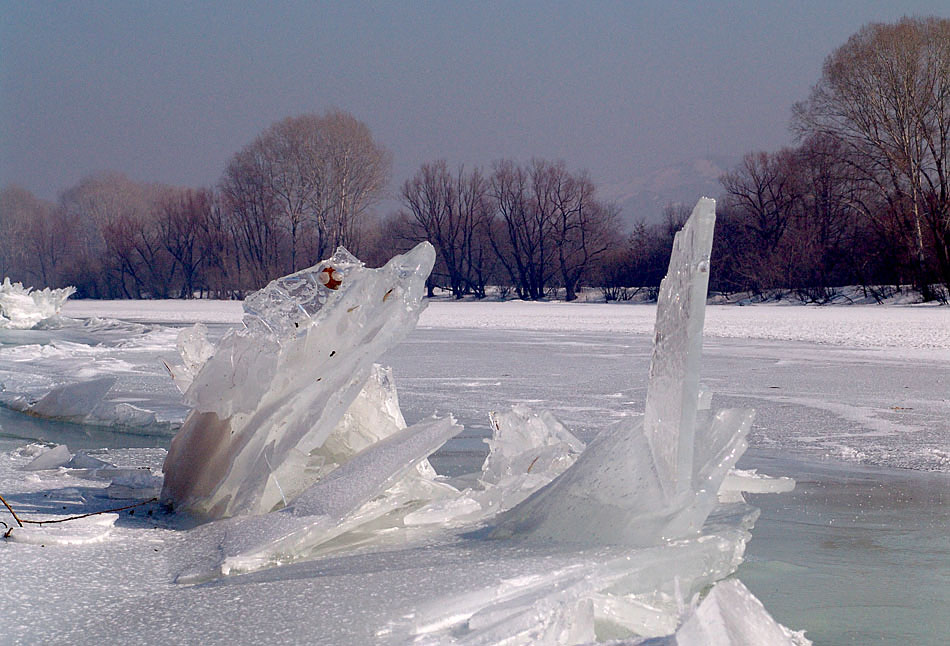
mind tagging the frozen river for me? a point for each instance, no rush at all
(857, 554)
(852, 402)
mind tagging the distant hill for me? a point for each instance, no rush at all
(645, 197)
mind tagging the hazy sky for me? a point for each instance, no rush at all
(168, 91)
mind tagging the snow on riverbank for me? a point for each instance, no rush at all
(916, 331)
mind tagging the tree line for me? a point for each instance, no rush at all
(863, 198)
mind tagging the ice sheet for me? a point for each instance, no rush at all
(324, 511)
(730, 615)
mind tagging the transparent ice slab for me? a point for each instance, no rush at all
(274, 391)
(24, 307)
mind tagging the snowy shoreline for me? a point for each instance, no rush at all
(902, 331)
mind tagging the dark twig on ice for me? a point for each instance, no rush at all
(15, 517)
(63, 520)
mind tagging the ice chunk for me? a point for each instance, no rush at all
(524, 442)
(72, 402)
(82, 531)
(131, 484)
(669, 415)
(731, 616)
(374, 415)
(292, 302)
(195, 350)
(526, 451)
(274, 391)
(329, 508)
(125, 414)
(23, 307)
(619, 594)
(739, 481)
(644, 481)
(53, 458)
(83, 460)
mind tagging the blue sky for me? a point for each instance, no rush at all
(168, 91)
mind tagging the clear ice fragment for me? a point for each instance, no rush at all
(524, 442)
(730, 615)
(53, 458)
(73, 402)
(23, 307)
(324, 511)
(669, 415)
(641, 482)
(274, 391)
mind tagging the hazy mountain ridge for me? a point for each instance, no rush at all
(645, 197)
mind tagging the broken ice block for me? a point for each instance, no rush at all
(82, 531)
(274, 391)
(72, 402)
(730, 615)
(329, 508)
(53, 458)
(642, 482)
(23, 307)
(669, 415)
(195, 350)
(524, 442)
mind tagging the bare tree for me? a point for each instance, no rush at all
(451, 212)
(519, 235)
(118, 251)
(36, 238)
(300, 189)
(885, 95)
(584, 228)
(356, 171)
(250, 203)
(184, 217)
(762, 194)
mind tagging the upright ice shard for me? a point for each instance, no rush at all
(640, 482)
(272, 392)
(669, 416)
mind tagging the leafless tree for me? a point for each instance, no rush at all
(118, 251)
(451, 211)
(762, 194)
(582, 228)
(355, 173)
(302, 188)
(251, 205)
(549, 227)
(885, 95)
(36, 238)
(519, 237)
(184, 216)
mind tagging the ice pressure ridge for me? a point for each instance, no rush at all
(24, 307)
(296, 447)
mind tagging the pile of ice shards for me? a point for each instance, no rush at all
(296, 447)
(23, 307)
